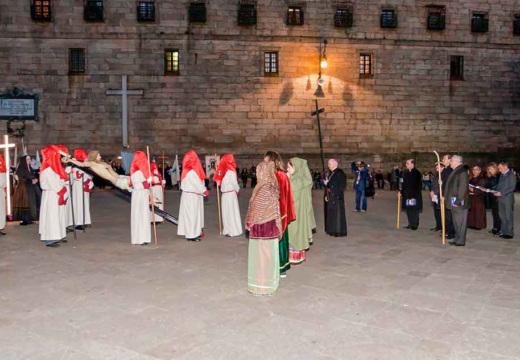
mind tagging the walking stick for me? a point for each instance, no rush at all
(398, 208)
(164, 179)
(151, 197)
(72, 208)
(218, 208)
(83, 198)
(441, 200)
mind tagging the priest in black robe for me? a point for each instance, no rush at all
(335, 218)
(412, 194)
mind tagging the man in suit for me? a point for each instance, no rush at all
(445, 174)
(360, 185)
(412, 194)
(457, 198)
(506, 200)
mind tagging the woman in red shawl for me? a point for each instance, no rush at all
(191, 212)
(287, 211)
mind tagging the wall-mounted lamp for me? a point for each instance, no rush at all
(323, 65)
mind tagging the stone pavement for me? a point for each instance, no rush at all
(380, 293)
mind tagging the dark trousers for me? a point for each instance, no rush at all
(361, 196)
(413, 217)
(496, 218)
(380, 184)
(438, 218)
(460, 222)
(505, 210)
(450, 228)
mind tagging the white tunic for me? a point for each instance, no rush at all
(3, 185)
(52, 215)
(140, 218)
(231, 221)
(191, 212)
(157, 192)
(79, 196)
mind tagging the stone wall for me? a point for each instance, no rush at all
(221, 102)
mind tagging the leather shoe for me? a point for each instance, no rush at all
(452, 243)
(507, 237)
(53, 245)
(435, 229)
(407, 227)
(2, 233)
(413, 228)
(493, 231)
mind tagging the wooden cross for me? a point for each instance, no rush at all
(6, 146)
(317, 114)
(124, 92)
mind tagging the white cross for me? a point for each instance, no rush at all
(6, 146)
(125, 92)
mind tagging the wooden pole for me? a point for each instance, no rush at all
(218, 206)
(163, 180)
(398, 208)
(441, 199)
(151, 197)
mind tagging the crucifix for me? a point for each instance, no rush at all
(317, 114)
(124, 92)
(6, 147)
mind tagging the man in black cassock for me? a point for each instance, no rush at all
(412, 194)
(335, 218)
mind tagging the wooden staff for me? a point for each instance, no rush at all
(218, 204)
(151, 196)
(398, 208)
(163, 157)
(441, 200)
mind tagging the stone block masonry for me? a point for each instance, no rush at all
(222, 102)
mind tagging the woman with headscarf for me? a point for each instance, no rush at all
(82, 185)
(157, 190)
(477, 200)
(226, 178)
(140, 180)
(3, 185)
(27, 195)
(191, 211)
(53, 223)
(286, 208)
(300, 230)
(335, 218)
(264, 223)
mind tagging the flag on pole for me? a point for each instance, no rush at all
(175, 173)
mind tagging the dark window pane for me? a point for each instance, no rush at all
(197, 13)
(77, 60)
(479, 23)
(93, 11)
(294, 15)
(343, 18)
(457, 68)
(146, 11)
(247, 14)
(389, 19)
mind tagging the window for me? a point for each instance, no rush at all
(171, 62)
(295, 15)
(366, 65)
(389, 19)
(271, 63)
(76, 61)
(93, 11)
(436, 18)
(146, 11)
(41, 10)
(516, 25)
(480, 23)
(247, 14)
(197, 13)
(457, 68)
(343, 18)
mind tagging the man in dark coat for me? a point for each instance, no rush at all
(335, 218)
(457, 199)
(506, 200)
(360, 185)
(445, 174)
(27, 195)
(412, 194)
(436, 201)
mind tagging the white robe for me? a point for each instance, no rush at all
(77, 198)
(231, 221)
(52, 215)
(140, 218)
(157, 192)
(3, 185)
(191, 212)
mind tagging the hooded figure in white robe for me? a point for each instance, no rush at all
(157, 190)
(82, 185)
(226, 177)
(191, 212)
(140, 181)
(3, 185)
(53, 225)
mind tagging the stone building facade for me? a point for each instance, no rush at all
(222, 101)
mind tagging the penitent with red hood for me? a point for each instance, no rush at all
(3, 185)
(53, 226)
(82, 185)
(226, 178)
(141, 180)
(157, 190)
(191, 212)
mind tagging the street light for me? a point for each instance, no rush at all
(323, 65)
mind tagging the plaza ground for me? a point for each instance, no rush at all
(379, 293)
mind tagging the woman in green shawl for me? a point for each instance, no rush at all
(300, 231)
